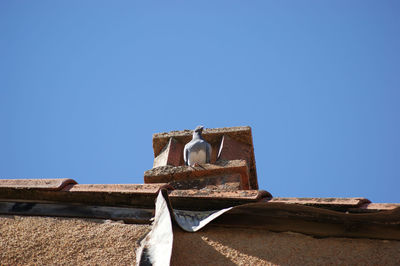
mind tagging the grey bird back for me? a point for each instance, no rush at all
(197, 150)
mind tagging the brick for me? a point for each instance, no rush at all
(231, 149)
(214, 136)
(172, 154)
(211, 135)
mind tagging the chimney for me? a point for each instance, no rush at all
(232, 165)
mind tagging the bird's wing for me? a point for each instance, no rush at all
(208, 152)
(185, 155)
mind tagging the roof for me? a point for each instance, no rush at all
(348, 217)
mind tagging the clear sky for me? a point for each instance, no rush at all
(85, 84)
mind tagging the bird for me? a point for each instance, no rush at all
(197, 151)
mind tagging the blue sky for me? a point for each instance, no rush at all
(85, 84)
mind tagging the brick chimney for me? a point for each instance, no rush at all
(232, 164)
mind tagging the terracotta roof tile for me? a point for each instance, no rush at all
(382, 206)
(205, 199)
(322, 201)
(282, 217)
(214, 194)
(375, 207)
(140, 196)
(348, 217)
(107, 195)
(43, 184)
(337, 204)
(119, 188)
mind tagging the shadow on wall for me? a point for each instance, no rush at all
(192, 249)
(233, 246)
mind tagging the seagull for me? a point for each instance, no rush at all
(197, 151)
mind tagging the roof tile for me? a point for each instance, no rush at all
(375, 207)
(382, 206)
(42, 184)
(207, 199)
(338, 204)
(210, 194)
(120, 188)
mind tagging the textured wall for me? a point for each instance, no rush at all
(227, 246)
(49, 241)
(45, 241)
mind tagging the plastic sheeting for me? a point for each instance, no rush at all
(156, 248)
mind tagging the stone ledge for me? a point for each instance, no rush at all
(223, 171)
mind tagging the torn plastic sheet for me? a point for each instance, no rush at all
(192, 221)
(156, 247)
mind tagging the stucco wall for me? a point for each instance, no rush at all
(50, 241)
(45, 241)
(228, 246)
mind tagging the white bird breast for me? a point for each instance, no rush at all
(197, 157)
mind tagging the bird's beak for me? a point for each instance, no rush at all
(199, 129)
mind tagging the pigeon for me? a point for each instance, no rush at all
(197, 151)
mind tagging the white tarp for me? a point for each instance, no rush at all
(156, 247)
